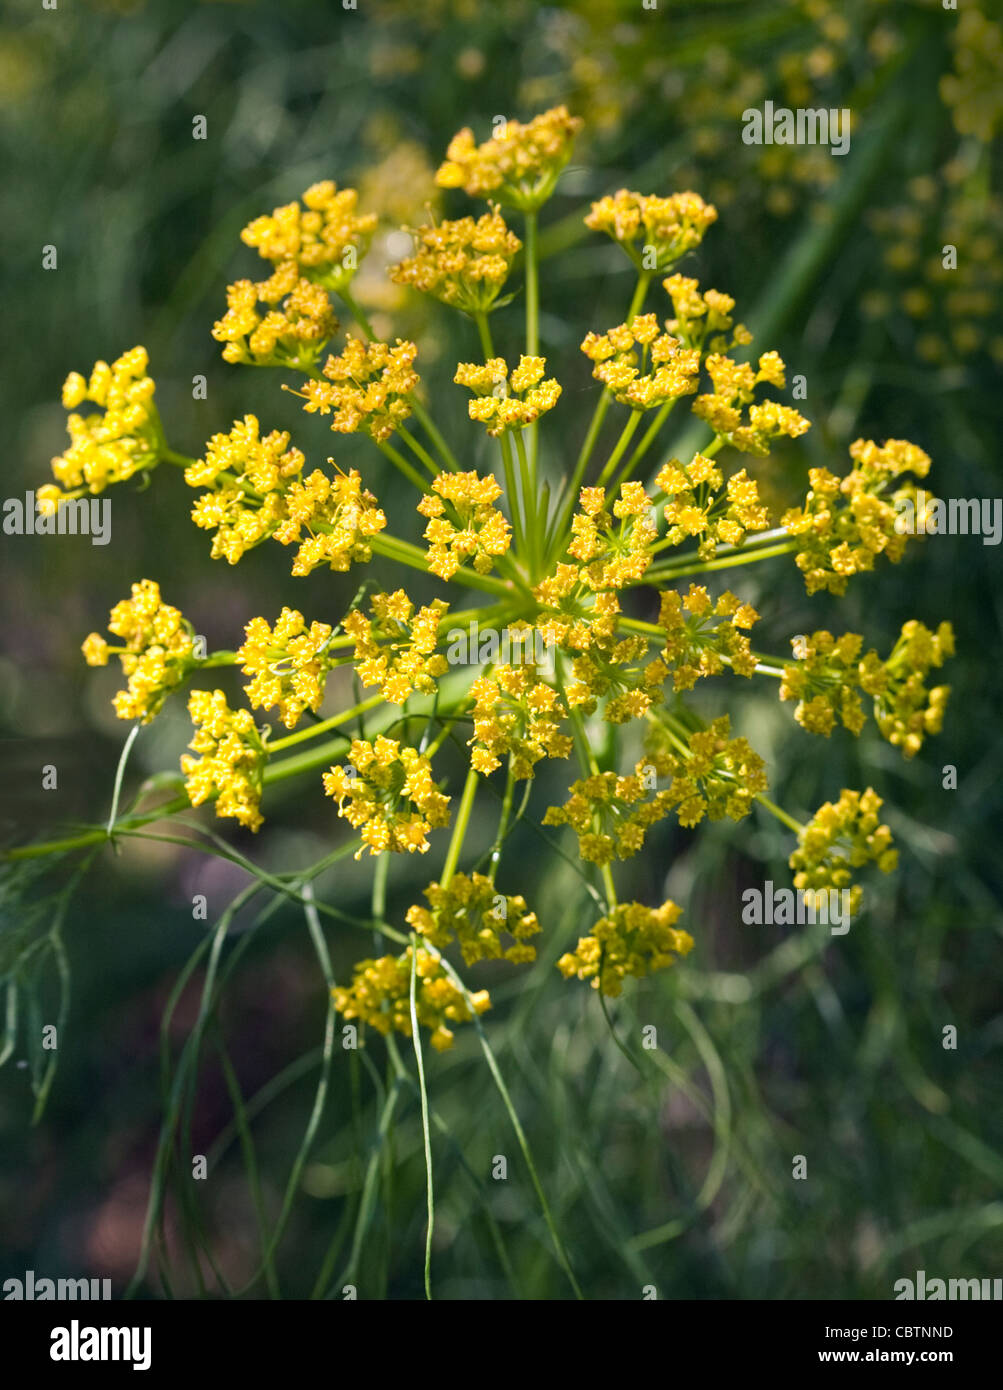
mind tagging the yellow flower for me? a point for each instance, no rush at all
(845, 524)
(734, 388)
(463, 523)
(463, 263)
(232, 759)
(292, 336)
(519, 166)
(716, 777)
(632, 940)
(699, 315)
(158, 653)
(112, 447)
(654, 232)
(388, 793)
(518, 714)
(641, 366)
(698, 646)
(380, 995)
(839, 838)
(289, 664)
(508, 402)
(395, 648)
(471, 912)
(324, 239)
(367, 387)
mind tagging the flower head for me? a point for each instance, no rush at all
(231, 762)
(158, 654)
(504, 401)
(111, 447)
(839, 838)
(290, 336)
(464, 523)
(463, 263)
(654, 232)
(324, 238)
(641, 366)
(470, 911)
(380, 995)
(288, 663)
(631, 940)
(389, 793)
(519, 166)
(368, 387)
(395, 647)
(845, 523)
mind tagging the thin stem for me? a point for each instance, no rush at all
(460, 828)
(781, 814)
(625, 438)
(342, 718)
(401, 464)
(527, 473)
(423, 1093)
(532, 306)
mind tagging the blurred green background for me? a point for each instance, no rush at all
(772, 1044)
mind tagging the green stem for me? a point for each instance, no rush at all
(527, 473)
(401, 464)
(532, 263)
(678, 571)
(781, 814)
(291, 740)
(460, 828)
(423, 1093)
(625, 437)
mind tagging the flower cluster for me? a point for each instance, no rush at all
(699, 315)
(463, 263)
(288, 663)
(324, 239)
(508, 402)
(158, 655)
(469, 910)
(380, 995)
(516, 714)
(290, 336)
(518, 166)
(846, 523)
(697, 506)
(712, 775)
(623, 356)
(829, 671)
(464, 523)
(257, 490)
(389, 793)
(613, 548)
(232, 761)
(698, 646)
(395, 648)
(632, 940)
(111, 447)
(839, 838)
(642, 224)
(367, 387)
(734, 389)
(610, 814)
